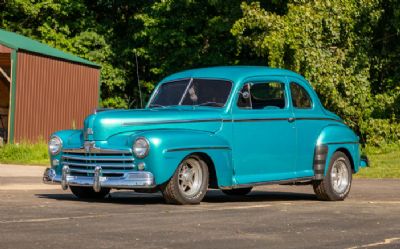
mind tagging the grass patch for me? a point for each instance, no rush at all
(25, 153)
(384, 162)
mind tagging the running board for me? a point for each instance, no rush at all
(294, 181)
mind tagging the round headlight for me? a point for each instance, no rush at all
(141, 147)
(55, 145)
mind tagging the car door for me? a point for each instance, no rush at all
(308, 123)
(264, 136)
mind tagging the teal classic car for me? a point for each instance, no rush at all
(228, 128)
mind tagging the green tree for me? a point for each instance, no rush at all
(349, 50)
(326, 41)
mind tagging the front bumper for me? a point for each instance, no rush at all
(130, 180)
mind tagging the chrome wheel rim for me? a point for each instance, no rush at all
(340, 176)
(190, 177)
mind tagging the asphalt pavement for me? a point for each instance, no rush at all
(33, 215)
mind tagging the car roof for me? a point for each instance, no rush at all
(232, 73)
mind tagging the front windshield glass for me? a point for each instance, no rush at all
(193, 92)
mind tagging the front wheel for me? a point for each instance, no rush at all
(88, 192)
(337, 182)
(189, 183)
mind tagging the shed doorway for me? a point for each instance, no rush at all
(5, 86)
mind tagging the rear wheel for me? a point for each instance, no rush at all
(237, 191)
(88, 192)
(337, 182)
(189, 183)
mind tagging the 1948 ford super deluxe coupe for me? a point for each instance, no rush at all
(229, 128)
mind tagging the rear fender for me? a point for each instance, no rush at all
(331, 139)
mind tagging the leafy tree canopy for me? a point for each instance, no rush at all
(349, 50)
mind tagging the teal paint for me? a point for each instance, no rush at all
(258, 145)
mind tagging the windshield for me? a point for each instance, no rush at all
(192, 92)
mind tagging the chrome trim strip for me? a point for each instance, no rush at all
(98, 151)
(278, 119)
(92, 171)
(98, 158)
(294, 180)
(255, 120)
(225, 120)
(173, 122)
(319, 118)
(98, 164)
(200, 148)
(348, 142)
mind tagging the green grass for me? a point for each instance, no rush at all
(24, 153)
(384, 162)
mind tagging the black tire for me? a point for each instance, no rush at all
(237, 191)
(326, 189)
(175, 192)
(89, 193)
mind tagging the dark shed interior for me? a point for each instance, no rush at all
(5, 83)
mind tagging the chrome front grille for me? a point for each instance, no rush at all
(114, 163)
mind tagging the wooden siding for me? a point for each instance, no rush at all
(52, 95)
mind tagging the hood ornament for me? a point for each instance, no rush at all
(89, 146)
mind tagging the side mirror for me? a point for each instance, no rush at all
(245, 94)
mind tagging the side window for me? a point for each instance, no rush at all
(300, 97)
(270, 95)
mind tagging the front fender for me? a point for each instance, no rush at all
(169, 147)
(70, 139)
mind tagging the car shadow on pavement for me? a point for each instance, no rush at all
(120, 197)
(258, 196)
(212, 196)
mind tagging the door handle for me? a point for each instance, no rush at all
(291, 120)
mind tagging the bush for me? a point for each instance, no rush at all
(381, 132)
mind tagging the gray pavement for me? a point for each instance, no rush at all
(270, 217)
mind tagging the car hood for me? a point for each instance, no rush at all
(102, 125)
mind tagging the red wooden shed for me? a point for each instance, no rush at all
(42, 89)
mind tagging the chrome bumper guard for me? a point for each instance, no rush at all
(130, 180)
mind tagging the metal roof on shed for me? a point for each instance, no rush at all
(16, 41)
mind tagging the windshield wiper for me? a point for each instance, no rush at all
(157, 105)
(211, 103)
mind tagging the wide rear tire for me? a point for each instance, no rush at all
(189, 183)
(337, 182)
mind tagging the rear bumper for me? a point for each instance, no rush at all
(131, 180)
(364, 162)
